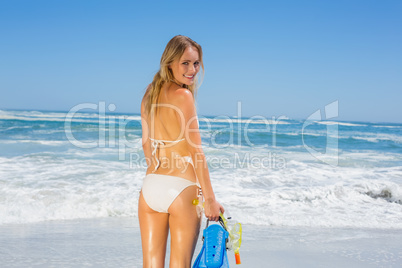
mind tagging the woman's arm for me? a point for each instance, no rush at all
(146, 143)
(186, 105)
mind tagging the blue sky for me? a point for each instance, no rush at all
(278, 58)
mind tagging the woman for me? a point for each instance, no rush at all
(177, 167)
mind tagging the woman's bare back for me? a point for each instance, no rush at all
(170, 152)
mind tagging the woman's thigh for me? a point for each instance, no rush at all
(154, 228)
(184, 223)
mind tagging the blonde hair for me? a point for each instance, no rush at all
(173, 51)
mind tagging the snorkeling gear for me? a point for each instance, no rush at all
(233, 240)
(213, 251)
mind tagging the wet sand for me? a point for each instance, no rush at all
(115, 242)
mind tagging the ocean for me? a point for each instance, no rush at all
(265, 171)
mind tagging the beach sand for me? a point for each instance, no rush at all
(115, 242)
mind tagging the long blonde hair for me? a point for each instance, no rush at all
(173, 51)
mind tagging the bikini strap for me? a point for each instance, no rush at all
(155, 146)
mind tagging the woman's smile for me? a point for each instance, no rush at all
(189, 77)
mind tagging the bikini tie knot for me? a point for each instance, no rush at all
(155, 146)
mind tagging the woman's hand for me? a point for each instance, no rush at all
(212, 209)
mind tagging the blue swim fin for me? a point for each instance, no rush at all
(213, 251)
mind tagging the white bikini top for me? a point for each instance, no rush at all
(155, 146)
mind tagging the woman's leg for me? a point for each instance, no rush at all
(184, 223)
(154, 228)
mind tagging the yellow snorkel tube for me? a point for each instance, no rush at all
(235, 232)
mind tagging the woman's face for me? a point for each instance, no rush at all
(186, 68)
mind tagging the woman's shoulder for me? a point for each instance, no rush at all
(182, 96)
(184, 101)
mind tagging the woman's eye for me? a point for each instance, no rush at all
(185, 63)
(197, 63)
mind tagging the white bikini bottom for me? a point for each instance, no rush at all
(159, 191)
